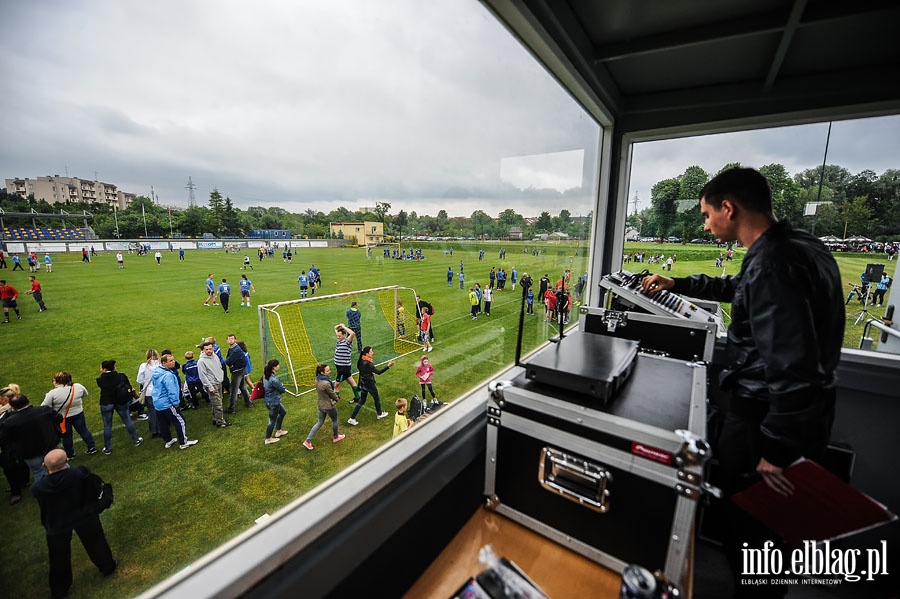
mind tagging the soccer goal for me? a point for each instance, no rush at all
(300, 333)
(382, 250)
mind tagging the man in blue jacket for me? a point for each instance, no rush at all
(166, 399)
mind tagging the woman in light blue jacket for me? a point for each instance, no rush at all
(274, 390)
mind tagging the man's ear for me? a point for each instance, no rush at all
(729, 208)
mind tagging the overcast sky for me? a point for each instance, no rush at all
(426, 105)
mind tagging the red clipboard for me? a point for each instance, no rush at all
(822, 507)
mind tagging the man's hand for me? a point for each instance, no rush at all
(774, 478)
(655, 283)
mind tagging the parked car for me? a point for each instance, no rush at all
(674, 239)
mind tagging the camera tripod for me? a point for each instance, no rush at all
(864, 293)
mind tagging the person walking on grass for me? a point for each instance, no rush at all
(14, 468)
(246, 288)
(224, 294)
(116, 394)
(425, 329)
(67, 400)
(367, 372)
(166, 402)
(145, 384)
(473, 302)
(354, 323)
(401, 420)
(343, 349)
(424, 372)
(488, 296)
(326, 404)
(210, 291)
(274, 391)
(211, 372)
(9, 297)
(64, 508)
(236, 360)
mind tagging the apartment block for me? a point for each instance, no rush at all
(55, 190)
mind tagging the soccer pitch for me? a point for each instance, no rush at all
(173, 506)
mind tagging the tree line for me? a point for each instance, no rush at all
(862, 204)
(221, 218)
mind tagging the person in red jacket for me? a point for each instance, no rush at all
(36, 293)
(9, 295)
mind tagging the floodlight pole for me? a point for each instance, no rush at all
(822, 178)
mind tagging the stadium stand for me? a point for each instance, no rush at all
(42, 233)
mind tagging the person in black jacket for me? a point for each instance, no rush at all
(64, 507)
(15, 470)
(367, 372)
(783, 344)
(30, 431)
(116, 394)
(237, 362)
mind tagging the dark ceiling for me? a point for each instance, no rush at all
(675, 63)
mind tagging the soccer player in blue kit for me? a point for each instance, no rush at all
(246, 287)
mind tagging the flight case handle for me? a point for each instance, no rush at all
(575, 479)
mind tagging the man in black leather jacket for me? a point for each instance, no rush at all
(783, 344)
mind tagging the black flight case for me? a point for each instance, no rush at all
(618, 481)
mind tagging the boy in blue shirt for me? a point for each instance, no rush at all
(529, 302)
(303, 279)
(192, 378)
(210, 291)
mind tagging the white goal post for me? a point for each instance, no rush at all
(299, 333)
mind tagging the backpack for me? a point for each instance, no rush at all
(97, 494)
(259, 391)
(414, 410)
(890, 282)
(124, 392)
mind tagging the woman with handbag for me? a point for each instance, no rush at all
(67, 400)
(274, 390)
(145, 383)
(115, 396)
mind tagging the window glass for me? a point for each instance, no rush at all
(854, 208)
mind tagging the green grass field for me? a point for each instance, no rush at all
(173, 506)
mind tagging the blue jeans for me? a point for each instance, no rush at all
(363, 392)
(276, 419)
(106, 411)
(36, 464)
(77, 422)
(334, 423)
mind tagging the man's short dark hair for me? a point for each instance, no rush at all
(745, 186)
(206, 344)
(18, 401)
(108, 364)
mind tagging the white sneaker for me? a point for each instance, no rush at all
(189, 443)
(352, 422)
(382, 415)
(271, 440)
(171, 442)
